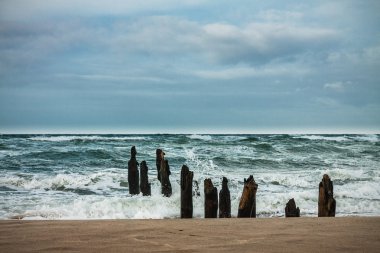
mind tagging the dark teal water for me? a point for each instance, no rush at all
(85, 176)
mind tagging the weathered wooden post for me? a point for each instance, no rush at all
(158, 163)
(291, 210)
(247, 205)
(133, 173)
(166, 187)
(186, 192)
(326, 201)
(211, 199)
(144, 183)
(224, 200)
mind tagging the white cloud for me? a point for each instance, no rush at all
(247, 72)
(336, 86)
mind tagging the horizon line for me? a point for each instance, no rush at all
(186, 132)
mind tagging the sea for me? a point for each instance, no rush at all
(85, 177)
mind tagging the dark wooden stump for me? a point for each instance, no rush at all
(326, 201)
(211, 199)
(158, 163)
(133, 173)
(224, 200)
(166, 187)
(186, 192)
(144, 183)
(291, 210)
(247, 205)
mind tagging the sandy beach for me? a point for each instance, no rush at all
(348, 234)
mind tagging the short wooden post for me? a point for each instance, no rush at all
(144, 183)
(186, 192)
(133, 173)
(166, 187)
(224, 200)
(291, 210)
(247, 205)
(326, 201)
(211, 199)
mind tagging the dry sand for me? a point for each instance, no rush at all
(354, 234)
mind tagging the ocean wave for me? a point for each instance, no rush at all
(322, 138)
(97, 181)
(69, 177)
(69, 138)
(249, 139)
(264, 147)
(369, 138)
(200, 137)
(82, 155)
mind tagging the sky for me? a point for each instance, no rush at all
(192, 66)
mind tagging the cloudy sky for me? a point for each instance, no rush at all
(189, 66)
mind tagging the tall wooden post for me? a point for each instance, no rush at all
(158, 163)
(186, 192)
(166, 187)
(224, 200)
(326, 201)
(133, 173)
(247, 205)
(211, 199)
(144, 183)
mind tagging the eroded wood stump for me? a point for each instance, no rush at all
(211, 199)
(133, 173)
(166, 187)
(224, 200)
(247, 205)
(144, 183)
(326, 201)
(291, 210)
(186, 192)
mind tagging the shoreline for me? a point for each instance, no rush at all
(305, 234)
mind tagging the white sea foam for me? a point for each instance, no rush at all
(88, 138)
(200, 137)
(369, 138)
(321, 137)
(4, 153)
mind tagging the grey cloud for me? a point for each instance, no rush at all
(224, 43)
(162, 37)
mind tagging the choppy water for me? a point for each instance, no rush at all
(85, 176)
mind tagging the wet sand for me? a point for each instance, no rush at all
(348, 234)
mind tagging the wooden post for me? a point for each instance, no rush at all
(211, 199)
(186, 192)
(224, 200)
(291, 210)
(158, 163)
(247, 205)
(133, 173)
(326, 201)
(166, 187)
(144, 183)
